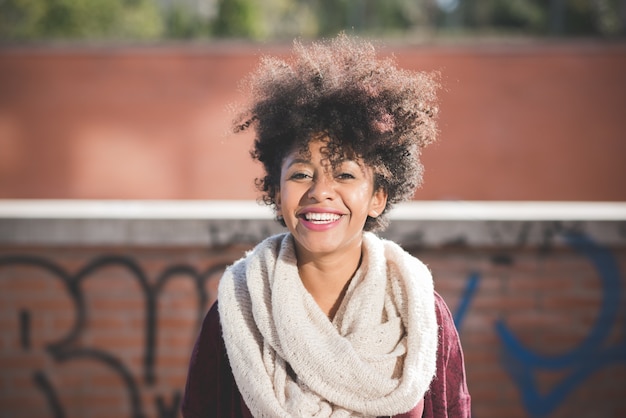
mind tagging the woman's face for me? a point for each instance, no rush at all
(325, 208)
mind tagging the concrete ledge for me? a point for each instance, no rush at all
(210, 223)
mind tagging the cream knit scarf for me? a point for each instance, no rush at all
(376, 358)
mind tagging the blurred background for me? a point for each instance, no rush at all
(124, 194)
(130, 99)
(272, 20)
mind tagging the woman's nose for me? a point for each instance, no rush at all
(322, 188)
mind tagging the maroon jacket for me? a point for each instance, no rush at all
(211, 390)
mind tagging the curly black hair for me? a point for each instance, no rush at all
(364, 105)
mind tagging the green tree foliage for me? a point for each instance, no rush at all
(79, 19)
(238, 19)
(20, 19)
(546, 17)
(530, 16)
(286, 19)
(182, 23)
(371, 16)
(598, 17)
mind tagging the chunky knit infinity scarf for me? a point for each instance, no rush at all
(376, 358)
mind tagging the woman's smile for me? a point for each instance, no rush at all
(319, 220)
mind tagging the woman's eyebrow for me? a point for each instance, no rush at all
(298, 161)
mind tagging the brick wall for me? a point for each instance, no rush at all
(100, 331)
(152, 123)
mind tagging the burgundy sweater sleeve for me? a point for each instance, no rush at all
(211, 390)
(448, 396)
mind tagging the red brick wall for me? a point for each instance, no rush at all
(74, 325)
(518, 122)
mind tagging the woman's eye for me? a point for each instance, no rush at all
(298, 176)
(345, 176)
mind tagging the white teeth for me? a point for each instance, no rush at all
(321, 217)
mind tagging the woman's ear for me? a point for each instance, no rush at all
(378, 203)
(279, 212)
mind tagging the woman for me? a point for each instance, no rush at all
(327, 319)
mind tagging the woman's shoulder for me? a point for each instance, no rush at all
(443, 311)
(210, 335)
(448, 333)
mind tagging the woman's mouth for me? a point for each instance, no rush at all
(321, 218)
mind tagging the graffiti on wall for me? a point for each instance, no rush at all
(67, 348)
(591, 355)
(520, 362)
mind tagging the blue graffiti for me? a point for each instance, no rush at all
(581, 361)
(468, 294)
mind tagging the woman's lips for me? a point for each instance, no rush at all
(319, 220)
(319, 217)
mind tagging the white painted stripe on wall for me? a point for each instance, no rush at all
(510, 211)
(247, 209)
(133, 209)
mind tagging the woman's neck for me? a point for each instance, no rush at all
(327, 278)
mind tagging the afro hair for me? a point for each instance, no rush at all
(362, 104)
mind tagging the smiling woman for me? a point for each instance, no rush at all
(328, 319)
